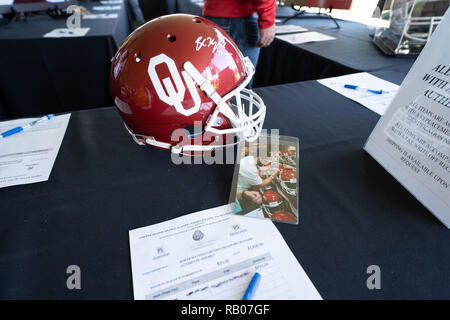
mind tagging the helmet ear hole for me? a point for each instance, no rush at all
(171, 38)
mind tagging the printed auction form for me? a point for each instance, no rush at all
(28, 156)
(375, 102)
(213, 254)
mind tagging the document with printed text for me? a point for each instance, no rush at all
(28, 156)
(101, 16)
(304, 37)
(213, 254)
(67, 33)
(412, 139)
(373, 101)
(289, 28)
(111, 2)
(106, 8)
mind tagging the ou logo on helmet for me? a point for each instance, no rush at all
(174, 96)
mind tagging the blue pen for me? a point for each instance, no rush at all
(252, 287)
(28, 125)
(352, 86)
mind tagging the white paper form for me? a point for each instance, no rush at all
(289, 28)
(111, 2)
(101, 16)
(304, 37)
(375, 102)
(28, 156)
(67, 33)
(213, 254)
(105, 8)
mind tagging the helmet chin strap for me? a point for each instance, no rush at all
(145, 140)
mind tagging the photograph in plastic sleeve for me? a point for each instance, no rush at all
(265, 180)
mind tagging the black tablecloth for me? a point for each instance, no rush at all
(352, 212)
(352, 51)
(43, 75)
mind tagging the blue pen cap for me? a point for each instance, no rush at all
(350, 86)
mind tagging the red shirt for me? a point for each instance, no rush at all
(242, 8)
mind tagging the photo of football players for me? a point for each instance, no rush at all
(266, 182)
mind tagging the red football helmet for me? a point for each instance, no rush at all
(283, 216)
(292, 154)
(288, 181)
(271, 202)
(184, 72)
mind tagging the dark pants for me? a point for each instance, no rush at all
(245, 32)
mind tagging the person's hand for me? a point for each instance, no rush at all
(266, 36)
(253, 196)
(275, 173)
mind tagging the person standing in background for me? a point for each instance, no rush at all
(250, 23)
(136, 8)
